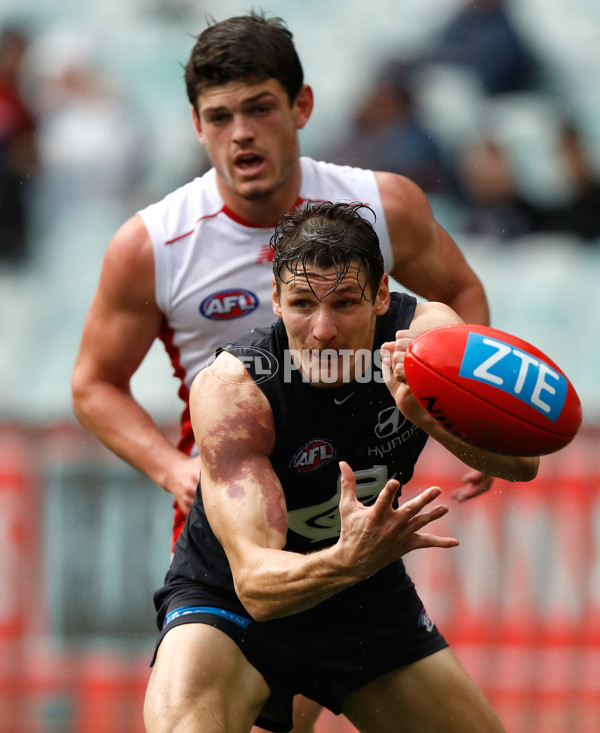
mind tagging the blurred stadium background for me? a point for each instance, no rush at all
(85, 538)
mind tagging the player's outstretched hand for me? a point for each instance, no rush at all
(376, 535)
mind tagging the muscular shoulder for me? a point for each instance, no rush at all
(228, 407)
(433, 315)
(129, 261)
(226, 373)
(403, 201)
(409, 218)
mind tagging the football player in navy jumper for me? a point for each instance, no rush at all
(193, 269)
(288, 577)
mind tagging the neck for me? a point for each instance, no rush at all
(268, 209)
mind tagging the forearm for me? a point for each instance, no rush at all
(272, 583)
(276, 583)
(509, 468)
(121, 423)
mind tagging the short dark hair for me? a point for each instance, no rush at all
(327, 235)
(249, 48)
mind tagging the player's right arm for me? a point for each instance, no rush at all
(245, 505)
(120, 327)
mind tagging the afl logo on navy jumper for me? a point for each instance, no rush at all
(314, 454)
(226, 305)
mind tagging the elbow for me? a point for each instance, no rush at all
(259, 606)
(77, 396)
(531, 468)
(80, 393)
(524, 469)
(258, 610)
(90, 394)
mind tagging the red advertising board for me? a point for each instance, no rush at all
(519, 599)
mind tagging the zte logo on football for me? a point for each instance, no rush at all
(228, 304)
(315, 454)
(516, 372)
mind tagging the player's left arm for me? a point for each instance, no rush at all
(427, 261)
(427, 316)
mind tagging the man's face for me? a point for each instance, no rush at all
(327, 329)
(250, 132)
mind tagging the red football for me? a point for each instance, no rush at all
(493, 389)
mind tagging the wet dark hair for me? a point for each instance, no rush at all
(326, 235)
(249, 48)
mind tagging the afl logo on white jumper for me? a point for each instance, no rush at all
(226, 305)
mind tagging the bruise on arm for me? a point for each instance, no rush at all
(235, 457)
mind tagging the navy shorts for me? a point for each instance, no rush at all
(325, 653)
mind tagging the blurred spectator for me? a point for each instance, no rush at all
(482, 37)
(387, 133)
(89, 138)
(580, 215)
(493, 205)
(18, 155)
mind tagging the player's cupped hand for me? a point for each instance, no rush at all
(392, 366)
(392, 355)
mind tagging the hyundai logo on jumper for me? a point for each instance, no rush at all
(228, 304)
(516, 372)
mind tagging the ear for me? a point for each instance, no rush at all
(382, 300)
(197, 125)
(303, 105)
(276, 301)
